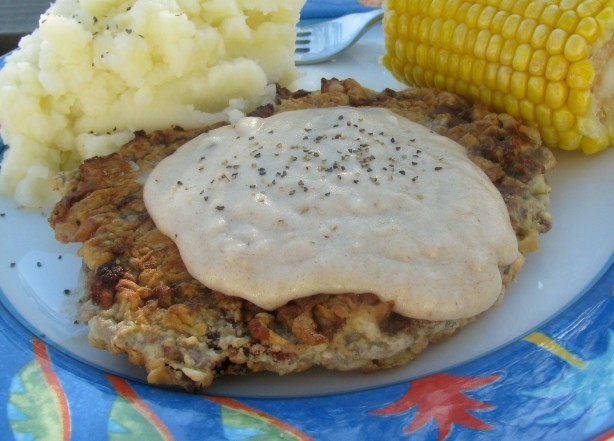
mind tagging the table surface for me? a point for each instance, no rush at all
(18, 18)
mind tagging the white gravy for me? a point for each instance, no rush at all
(339, 200)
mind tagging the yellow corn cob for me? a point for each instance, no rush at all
(549, 63)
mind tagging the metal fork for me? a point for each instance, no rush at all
(321, 41)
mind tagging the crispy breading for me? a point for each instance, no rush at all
(140, 299)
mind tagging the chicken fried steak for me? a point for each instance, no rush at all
(140, 299)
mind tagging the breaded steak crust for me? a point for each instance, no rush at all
(141, 301)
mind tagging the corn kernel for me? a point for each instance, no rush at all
(535, 9)
(418, 75)
(497, 101)
(581, 74)
(441, 64)
(391, 24)
(473, 14)
(399, 50)
(550, 15)
(589, 29)
(508, 52)
(461, 88)
(440, 81)
(423, 7)
(556, 94)
(522, 57)
(589, 8)
(563, 119)
(557, 67)
(593, 145)
(486, 17)
(511, 26)
(485, 96)
(432, 58)
(507, 5)
(437, 8)
(504, 75)
(569, 4)
(403, 27)
(435, 33)
(579, 101)
(470, 40)
(447, 31)
(570, 140)
(540, 36)
(490, 76)
(464, 72)
(543, 115)
(410, 52)
(549, 135)
(536, 89)
(576, 48)
(451, 8)
(461, 13)
(498, 21)
(527, 110)
(556, 42)
(478, 71)
(518, 84)
(414, 28)
(539, 60)
(605, 18)
(568, 21)
(422, 51)
(525, 30)
(511, 105)
(481, 44)
(398, 6)
(473, 92)
(495, 46)
(424, 30)
(450, 84)
(520, 6)
(595, 135)
(458, 40)
(429, 78)
(412, 7)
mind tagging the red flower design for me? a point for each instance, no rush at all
(441, 398)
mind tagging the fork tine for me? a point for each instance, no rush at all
(303, 32)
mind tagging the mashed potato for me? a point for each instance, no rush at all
(97, 70)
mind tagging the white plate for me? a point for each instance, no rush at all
(35, 270)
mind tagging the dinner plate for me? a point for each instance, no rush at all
(540, 366)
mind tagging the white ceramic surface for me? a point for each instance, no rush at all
(36, 271)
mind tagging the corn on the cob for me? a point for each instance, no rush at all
(548, 63)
